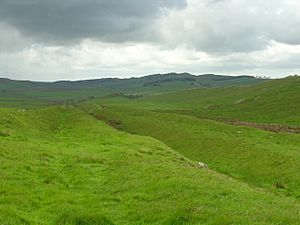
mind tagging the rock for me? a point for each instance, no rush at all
(202, 165)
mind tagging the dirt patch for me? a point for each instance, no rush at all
(269, 127)
(97, 116)
(114, 123)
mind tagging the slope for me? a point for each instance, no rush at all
(13, 92)
(264, 159)
(275, 101)
(61, 166)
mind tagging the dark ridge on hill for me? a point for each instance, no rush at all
(150, 80)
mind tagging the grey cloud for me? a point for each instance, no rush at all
(71, 20)
(226, 26)
(11, 40)
(214, 26)
(45, 38)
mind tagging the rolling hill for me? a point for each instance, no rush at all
(13, 92)
(274, 101)
(131, 158)
(60, 165)
(183, 121)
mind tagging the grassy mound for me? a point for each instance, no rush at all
(264, 159)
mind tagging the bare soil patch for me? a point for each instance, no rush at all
(269, 127)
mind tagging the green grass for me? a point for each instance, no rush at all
(275, 101)
(23, 103)
(43, 93)
(62, 166)
(264, 159)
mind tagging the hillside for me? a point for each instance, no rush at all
(132, 159)
(260, 158)
(163, 112)
(182, 120)
(62, 166)
(13, 92)
(275, 101)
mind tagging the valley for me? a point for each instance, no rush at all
(133, 158)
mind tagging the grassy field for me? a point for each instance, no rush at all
(264, 159)
(275, 101)
(125, 159)
(39, 94)
(62, 166)
(260, 158)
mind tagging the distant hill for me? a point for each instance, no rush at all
(274, 101)
(14, 92)
(169, 79)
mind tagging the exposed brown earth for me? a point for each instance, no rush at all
(269, 127)
(263, 126)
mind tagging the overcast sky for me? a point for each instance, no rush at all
(75, 39)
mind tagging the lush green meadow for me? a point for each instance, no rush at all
(274, 101)
(261, 158)
(30, 94)
(62, 166)
(126, 159)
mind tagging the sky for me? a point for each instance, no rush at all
(47, 40)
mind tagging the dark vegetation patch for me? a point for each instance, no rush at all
(167, 80)
(181, 220)
(117, 124)
(279, 185)
(123, 95)
(93, 159)
(75, 219)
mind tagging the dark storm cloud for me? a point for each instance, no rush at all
(69, 20)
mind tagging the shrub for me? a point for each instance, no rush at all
(83, 220)
(279, 185)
